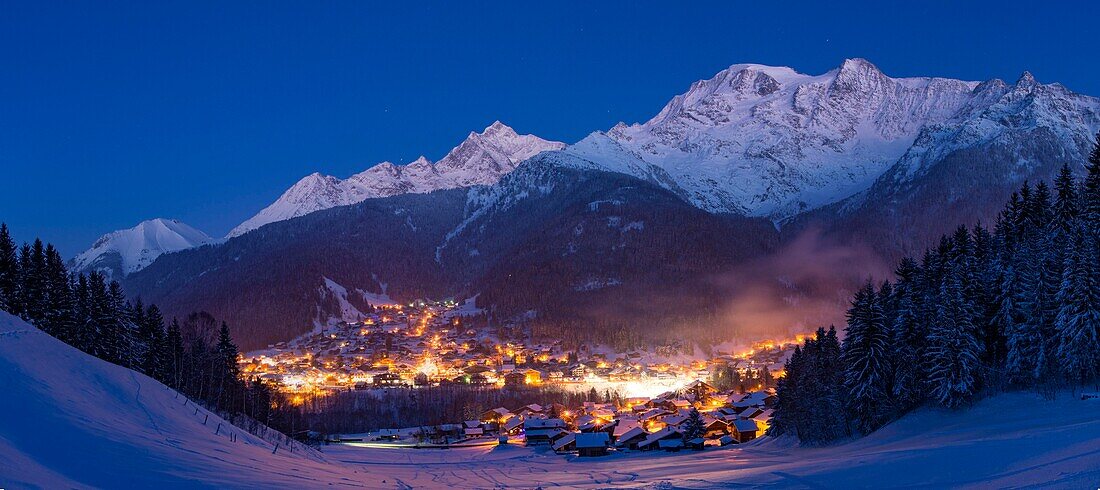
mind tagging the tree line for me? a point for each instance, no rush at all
(1015, 307)
(91, 313)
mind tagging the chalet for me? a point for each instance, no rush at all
(750, 412)
(652, 440)
(699, 391)
(743, 430)
(386, 380)
(515, 379)
(631, 438)
(593, 444)
(696, 444)
(511, 426)
(713, 427)
(764, 419)
(496, 415)
(542, 431)
(671, 445)
(567, 442)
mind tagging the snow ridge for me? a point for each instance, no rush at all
(481, 159)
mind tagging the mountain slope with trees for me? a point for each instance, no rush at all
(1012, 307)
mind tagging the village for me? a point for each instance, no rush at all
(666, 401)
(694, 417)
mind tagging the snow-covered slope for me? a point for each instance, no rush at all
(69, 420)
(768, 141)
(1013, 440)
(125, 251)
(481, 159)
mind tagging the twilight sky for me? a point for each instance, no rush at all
(116, 112)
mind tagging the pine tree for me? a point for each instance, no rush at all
(1091, 188)
(866, 361)
(1078, 319)
(9, 272)
(693, 426)
(907, 337)
(175, 353)
(227, 371)
(32, 288)
(785, 418)
(59, 317)
(155, 357)
(952, 348)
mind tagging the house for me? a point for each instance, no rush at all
(699, 391)
(593, 444)
(671, 445)
(473, 432)
(511, 426)
(653, 440)
(713, 427)
(542, 431)
(743, 430)
(567, 442)
(764, 419)
(515, 379)
(386, 380)
(496, 415)
(696, 444)
(631, 438)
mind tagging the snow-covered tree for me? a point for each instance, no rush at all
(1078, 320)
(952, 348)
(867, 361)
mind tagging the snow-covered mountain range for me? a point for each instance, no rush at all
(481, 159)
(768, 141)
(125, 251)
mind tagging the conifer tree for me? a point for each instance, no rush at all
(1078, 320)
(175, 354)
(907, 337)
(866, 361)
(227, 371)
(9, 272)
(1090, 192)
(693, 426)
(952, 348)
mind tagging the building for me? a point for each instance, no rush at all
(592, 444)
(743, 430)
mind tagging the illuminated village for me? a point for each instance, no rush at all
(422, 344)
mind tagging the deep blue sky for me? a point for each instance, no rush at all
(115, 112)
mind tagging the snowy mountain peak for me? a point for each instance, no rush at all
(481, 159)
(126, 251)
(1026, 80)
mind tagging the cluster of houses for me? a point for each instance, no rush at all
(660, 423)
(432, 343)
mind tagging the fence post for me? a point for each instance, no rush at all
(205, 419)
(276, 448)
(216, 432)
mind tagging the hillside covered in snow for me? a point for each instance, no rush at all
(70, 420)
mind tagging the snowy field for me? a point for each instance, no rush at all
(69, 420)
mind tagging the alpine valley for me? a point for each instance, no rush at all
(705, 209)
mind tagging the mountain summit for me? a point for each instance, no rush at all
(481, 159)
(126, 251)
